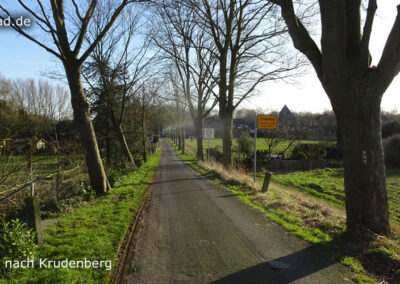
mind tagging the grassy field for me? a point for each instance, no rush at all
(328, 184)
(91, 232)
(261, 145)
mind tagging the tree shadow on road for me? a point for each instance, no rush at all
(290, 268)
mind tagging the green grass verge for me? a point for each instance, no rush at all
(91, 232)
(328, 184)
(323, 236)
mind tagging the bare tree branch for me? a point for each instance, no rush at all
(389, 64)
(28, 36)
(300, 36)
(372, 6)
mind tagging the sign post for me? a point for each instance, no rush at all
(208, 134)
(208, 151)
(255, 147)
(262, 122)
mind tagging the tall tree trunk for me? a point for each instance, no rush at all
(224, 114)
(199, 138)
(339, 142)
(144, 153)
(124, 145)
(183, 139)
(108, 144)
(355, 90)
(227, 140)
(364, 170)
(97, 175)
(122, 141)
(179, 138)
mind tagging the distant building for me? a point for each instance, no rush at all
(285, 116)
(41, 144)
(6, 142)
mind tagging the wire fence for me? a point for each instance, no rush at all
(50, 188)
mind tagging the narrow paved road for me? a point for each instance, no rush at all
(197, 232)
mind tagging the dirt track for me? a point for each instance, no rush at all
(197, 232)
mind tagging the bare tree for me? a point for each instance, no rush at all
(67, 32)
(174, 97)
(355, 89)
(248, 50)
(40, 98)
(116, 71)
(183, 42)
(146, 96)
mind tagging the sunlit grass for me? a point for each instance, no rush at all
(93, 231)
(328, 184)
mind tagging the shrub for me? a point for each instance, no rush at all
(300, 155)
(117, 174)
(216, 153)
(139, 161)
(87, 192)
(114, 177)
(245, 145)
(391, 128)
(17, 242)
(392, 151)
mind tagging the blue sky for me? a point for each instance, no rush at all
(20, 58)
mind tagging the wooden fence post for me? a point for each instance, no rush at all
(32, 207)
(266, 182)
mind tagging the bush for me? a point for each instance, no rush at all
(245, 145)
(392, 151)
(86, 191)
(391, 128)
(216, 153)
(300, 155)
(69, 202)
(117, 174)
(139, 161)
(115, 177)
(16, 243)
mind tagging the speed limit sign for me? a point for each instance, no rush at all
(208, 133)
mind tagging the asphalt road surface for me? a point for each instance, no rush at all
(197, 232)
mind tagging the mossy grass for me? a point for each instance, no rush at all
(92, 232)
